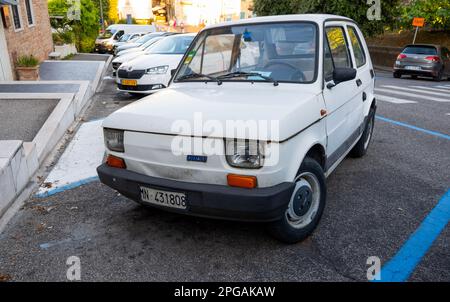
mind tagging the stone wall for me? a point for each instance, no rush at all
(383, 56)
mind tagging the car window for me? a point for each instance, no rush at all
(281, 51)
(420, 50)
(172, 45)
(328, 66)
(119, 35)
(338, 46)
(358, 50)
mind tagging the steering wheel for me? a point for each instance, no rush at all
(297, 74)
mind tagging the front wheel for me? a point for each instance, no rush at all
(397, 75)
(305, 206)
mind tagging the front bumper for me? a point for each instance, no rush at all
(206, 200)
(103, 48)
(144, 89)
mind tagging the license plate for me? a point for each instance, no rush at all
(129, 82)
(413, 67)
(163, 198)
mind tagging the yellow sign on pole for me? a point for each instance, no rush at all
(418, 22)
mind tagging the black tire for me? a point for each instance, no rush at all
(397, 75)
(361, 147)
(438, 78)
(286, 230)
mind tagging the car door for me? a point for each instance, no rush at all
(364, 76)
(340, 99)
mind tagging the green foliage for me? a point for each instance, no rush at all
(63, 37)
(356, 10)
(27, 61)
(435, 12)
(86, 29)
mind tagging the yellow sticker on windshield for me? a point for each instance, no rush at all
(189, 57)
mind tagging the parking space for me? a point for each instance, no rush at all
(375, 205)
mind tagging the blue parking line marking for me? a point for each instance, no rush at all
(67, 187)
(434, 133)
(402, 265)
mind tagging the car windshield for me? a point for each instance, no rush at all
(150, 42)
(147, 37)
(107, 34)
(420, 50)
(277, 52)
(124, 38)
(172, 45)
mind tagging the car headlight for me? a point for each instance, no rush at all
(244, 153)
(157, 70)
(114, 139)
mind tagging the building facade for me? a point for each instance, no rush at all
(25, 30)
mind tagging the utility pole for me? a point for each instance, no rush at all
(101, 16)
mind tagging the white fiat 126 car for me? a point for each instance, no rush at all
(304, 82)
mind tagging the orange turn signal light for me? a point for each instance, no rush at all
(241, 181)
(115, 162)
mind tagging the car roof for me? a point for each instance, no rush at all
(423, 45)
(318, 18)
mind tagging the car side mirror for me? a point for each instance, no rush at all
(343, 75)
(172, 72)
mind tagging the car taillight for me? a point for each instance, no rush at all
(433, 58)
(401, 56)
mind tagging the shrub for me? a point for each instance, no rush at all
(27, 61)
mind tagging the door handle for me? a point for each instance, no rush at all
(364, 96)
(358, 82)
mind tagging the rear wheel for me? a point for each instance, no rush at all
(397, 75)
(438, 78)
(306, 205)
(361, 147)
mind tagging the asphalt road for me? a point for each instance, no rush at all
(374, 205)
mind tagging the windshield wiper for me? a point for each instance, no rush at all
(237, 74)
(199, 75)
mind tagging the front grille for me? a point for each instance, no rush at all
(135, 88)
(134, 74)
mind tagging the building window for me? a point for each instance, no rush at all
(16, 17)
(30, 15)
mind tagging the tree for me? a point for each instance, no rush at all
(85, 29)
(435, 12)
(356, 10)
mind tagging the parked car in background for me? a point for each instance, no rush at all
(138, 42)
(423, 60)
(127, 38)
(151, 71)
(113, 33)
(312, 76)
(127, 55)
(143, 46)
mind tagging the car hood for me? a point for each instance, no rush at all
(153, 60)
(284, 108)
(129, 45)
(128, 56)
(129, 50)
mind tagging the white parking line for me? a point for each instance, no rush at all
(443, 87)
(79, 161)
(417, 90)
(390, 99)
(414, 95)
(432, 89)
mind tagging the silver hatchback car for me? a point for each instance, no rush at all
(423, 60)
